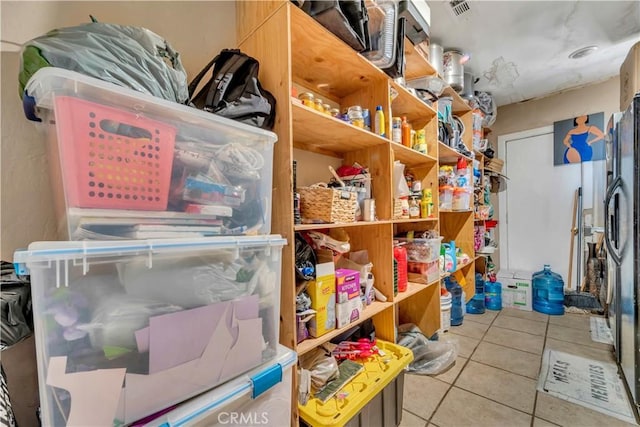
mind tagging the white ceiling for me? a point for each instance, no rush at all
(520, 49)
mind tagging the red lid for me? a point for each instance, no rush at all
(462, 163)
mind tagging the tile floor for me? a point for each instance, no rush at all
(493, 382)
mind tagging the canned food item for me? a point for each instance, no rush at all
(307, 99)
(355, 116)
(420, 143)
(396, 130)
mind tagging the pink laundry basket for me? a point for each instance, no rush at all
(113, 159)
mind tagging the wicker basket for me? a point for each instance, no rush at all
(328, 204)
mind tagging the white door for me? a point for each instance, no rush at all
(536, 208)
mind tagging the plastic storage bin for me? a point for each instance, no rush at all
(261, 397)
(461, 199)
(379, 375)
(422, 258)
(129, 165)
(446, 197)
(124, 329)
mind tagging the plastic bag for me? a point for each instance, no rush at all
(323, 367)
(429, 357)
(132, 57)
(400, 187)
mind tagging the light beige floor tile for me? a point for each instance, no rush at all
(524, 314)
(509, 359)
(461, 408)
(573, 335)
(523, 325)
(486, 317)
(576, 321)
(581, 350)
(515, 339)
(470, 329)
(466, 345)
(568, 414)
(422, 394)
(450, 375)
(410, 420)
(504, 387)
(539, 422)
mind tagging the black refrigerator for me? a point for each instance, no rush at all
(622, 238)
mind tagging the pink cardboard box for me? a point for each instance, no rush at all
(347, 285)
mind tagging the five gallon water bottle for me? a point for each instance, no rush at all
(476, 305)
(548, 292)
(457, 312)
(493, 295)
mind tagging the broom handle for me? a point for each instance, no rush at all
(573, 234)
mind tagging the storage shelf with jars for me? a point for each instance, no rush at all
(296, 52)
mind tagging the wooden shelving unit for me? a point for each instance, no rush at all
(294, 49)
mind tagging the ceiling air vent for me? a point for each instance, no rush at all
(459, 7)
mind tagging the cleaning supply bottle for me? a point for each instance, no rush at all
(379, 122)
(406, 132)
(448, 254)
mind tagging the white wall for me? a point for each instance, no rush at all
(603, 96)
(198, 30)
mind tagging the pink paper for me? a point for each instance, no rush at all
(94, 394)
(142, 339)
(246, 351)
(179, 337)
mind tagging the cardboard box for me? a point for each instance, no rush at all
(630, 77)
(348, 312)
(517, 289)
(322, 292)
(347, 285)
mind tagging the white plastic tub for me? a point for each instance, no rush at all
(261, 397)
(125, 329)
(129, 165)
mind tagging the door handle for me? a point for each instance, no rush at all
(608, 224)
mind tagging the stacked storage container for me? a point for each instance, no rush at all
(127, 328)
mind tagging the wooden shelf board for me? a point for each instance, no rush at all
(412, 289)
(324, 63)
(321, 133)
(458, 268)
(479, 155)
(406, 104)
(411, 157)
(370, 311)
(416, 64)
(302, 227)
(459, 105)
(410, 220)
(447, 154)
(447, 211)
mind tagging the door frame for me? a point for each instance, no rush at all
(503, 215)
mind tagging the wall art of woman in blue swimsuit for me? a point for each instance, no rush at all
(578, 142)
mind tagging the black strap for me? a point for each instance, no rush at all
(196, 80)
(223, 78)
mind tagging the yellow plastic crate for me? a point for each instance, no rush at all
(379, 371)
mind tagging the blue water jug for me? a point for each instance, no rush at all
(457, 313)
(548, 292)
(476, 305)
(493, 295)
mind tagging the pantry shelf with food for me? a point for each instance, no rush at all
(354, 128)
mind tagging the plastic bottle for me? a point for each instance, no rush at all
(493, 295)
(457, 312)
(379, 122)
(448, 252)
(406, 132)
(400, 255)
(476, 305)
(548, 292)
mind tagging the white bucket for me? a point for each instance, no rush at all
(445, 312)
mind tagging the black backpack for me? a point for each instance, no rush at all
(234, 91)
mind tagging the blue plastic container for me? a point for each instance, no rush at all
(493, 295)
(457, 312)
(548, 292)
(476, 305)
